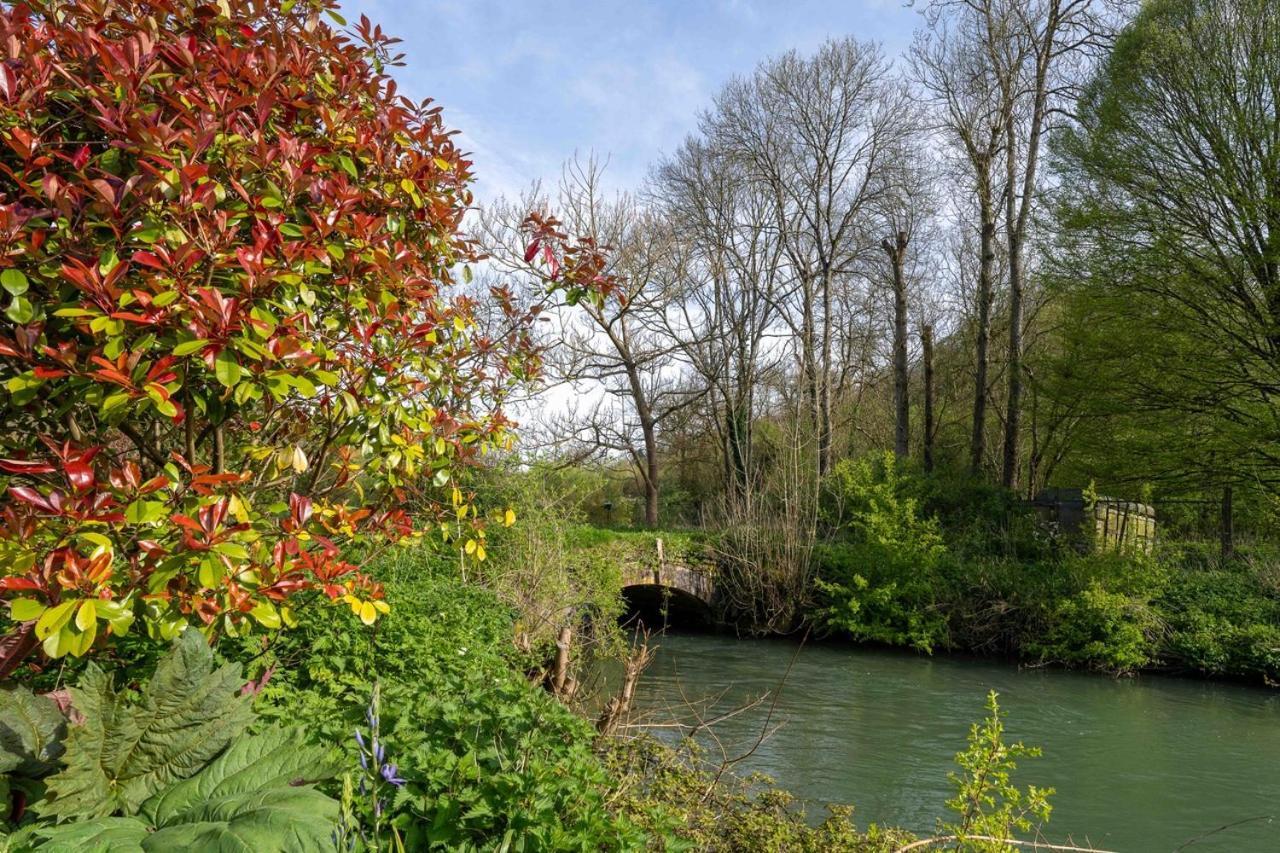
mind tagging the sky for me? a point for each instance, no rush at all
(528, 84)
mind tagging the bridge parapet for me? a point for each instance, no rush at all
(697, 582)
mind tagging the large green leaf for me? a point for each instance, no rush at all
(125, 752)
(100, 835)
(274, 759)
(288, 820)
(31, 732)
(275, 820)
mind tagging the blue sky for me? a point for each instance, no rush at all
(528, 83)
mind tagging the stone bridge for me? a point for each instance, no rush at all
(672, 588)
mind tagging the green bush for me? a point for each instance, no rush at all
(879, 580)
(1099, 628)
(488, 760)
(1223, 621)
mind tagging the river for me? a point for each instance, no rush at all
(1143, 764)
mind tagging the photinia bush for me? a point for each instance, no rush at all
(234, 342)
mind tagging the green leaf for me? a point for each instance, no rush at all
(163, 404)
(14, 281)
(226, 368)
(20, 310)
(25, 609)
(103, 835)
(115, 401)
(189, 347)
(304, 385)
(31, 732)
(277, 758)
(348, 165)
(288, 820)
(145, 512)
(124, 752)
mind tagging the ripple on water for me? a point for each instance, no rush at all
(1139, 764)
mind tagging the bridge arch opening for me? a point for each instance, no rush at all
(657, 607)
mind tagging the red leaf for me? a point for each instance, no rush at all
(25, 466)
(31, 496)
(532, 251)
(148, 259)
(16, 584)
(81, 157)
(79, 475)
(300, 507)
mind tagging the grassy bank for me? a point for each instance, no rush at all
(490, 760)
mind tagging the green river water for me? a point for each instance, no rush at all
(1143, 764)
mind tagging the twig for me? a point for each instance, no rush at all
(1225, 826)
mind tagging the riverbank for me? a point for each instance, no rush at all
(487, 755)
(937, 563)
(911, 561)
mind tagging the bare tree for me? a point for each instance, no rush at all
(951, 58)
(812, 133)
(612, 353)
(723, 303)
(906, 207)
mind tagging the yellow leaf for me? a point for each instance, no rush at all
(440, 448)
(25, 609)
(52, 620)
(57, 644)
(86, 615)
(470, 547)
(298, 460)
(80, 643)
(480, 553)
(382, 606)
(239, 510)
(266, 614)
(509, 518)
(368, 613)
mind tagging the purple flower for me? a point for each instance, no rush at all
(389, 774)
(359, 739)
(378, 752)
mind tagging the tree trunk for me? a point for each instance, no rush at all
(897, 252)
(809, 366)
(926, 342)
(1013, 416)
(986, 260)
(649, 429)
(651, 473)
(824, 382)
(560, 674)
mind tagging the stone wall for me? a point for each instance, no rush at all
(1098, 526)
